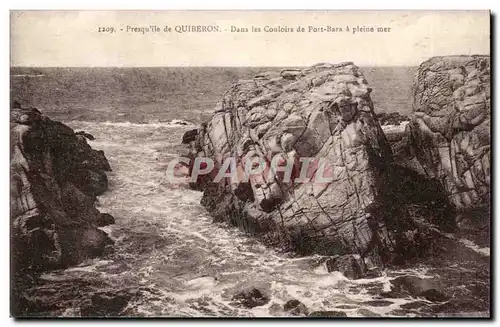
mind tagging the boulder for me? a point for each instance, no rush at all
(250, 298)
(295, 308)
(351, 266)
(189, 136)
(86, 135)
(78, 244)
(356, 200)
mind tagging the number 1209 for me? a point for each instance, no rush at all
(106, 30)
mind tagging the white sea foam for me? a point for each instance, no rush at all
(395, 128)
(175, 123)
(27, 75)
(473, 246)
(485, 251)
(166, 241)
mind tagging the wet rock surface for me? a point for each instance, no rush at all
(250, 297)
(296, 308)
(70, 297)
(106, 304)
(55, 178)
(350, 266)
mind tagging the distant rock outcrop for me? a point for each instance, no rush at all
(449, 137)
(370, 206)
(55, 177)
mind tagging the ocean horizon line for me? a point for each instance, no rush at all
(132, 67)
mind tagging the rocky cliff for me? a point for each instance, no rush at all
(368, 206)
(449, 136)
(55, 177)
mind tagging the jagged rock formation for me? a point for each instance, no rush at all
(55, 178)
(449, 137)
(325, 111)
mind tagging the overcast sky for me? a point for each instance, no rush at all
(71, 38)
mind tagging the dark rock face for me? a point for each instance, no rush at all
(55, 176)
(189, 136)
(82, 243)
(350, 266)
(296, 308)
(429, 289)
(449, 137)
(250, 298)
(87, 135)
(324, 112)
(106, 304)
(105, 219)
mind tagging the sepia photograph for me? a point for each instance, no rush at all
(235, 164)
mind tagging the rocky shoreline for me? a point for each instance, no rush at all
(405, 193)
(55, 179)
(400, 185)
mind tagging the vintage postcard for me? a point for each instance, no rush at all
(307, 164)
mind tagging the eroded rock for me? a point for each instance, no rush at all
(322, 112)
(449, 137)
(55, 176)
